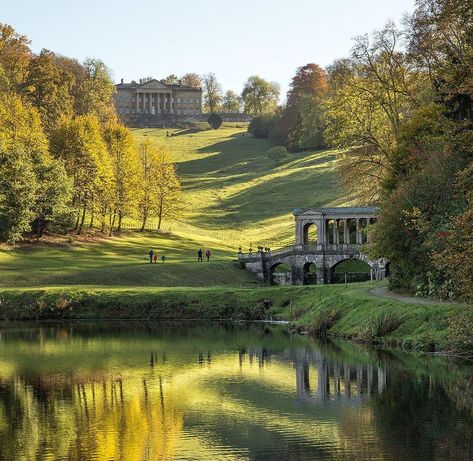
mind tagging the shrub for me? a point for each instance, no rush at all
(277, 153)
(215, 121)
(324, 321)
(264, 125)
(382, 325)
(460, 335)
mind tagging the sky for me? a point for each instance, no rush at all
(233, 39)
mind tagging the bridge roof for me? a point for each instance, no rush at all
(339, 211)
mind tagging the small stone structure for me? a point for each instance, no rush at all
(324, 237)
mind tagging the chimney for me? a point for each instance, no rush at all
(121, 81)
(141, 81)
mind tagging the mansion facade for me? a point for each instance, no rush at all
(155, 98)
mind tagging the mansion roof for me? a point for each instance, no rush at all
(338, 211)
(154, 85)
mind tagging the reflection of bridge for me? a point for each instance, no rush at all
(320, 378)
(324, 237)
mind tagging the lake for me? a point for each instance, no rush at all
(214, 391)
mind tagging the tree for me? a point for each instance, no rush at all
(125, 164)
(96, 91)
(148, 154)
(34, 186)
(301, 123)
(15, 56)
(191, 79)
(370, 96)
(212, 92)
(48, 87)
(231, 103)
(171, 80)
(79, 143)
(215, 121)
(168, 188)
(259, 96)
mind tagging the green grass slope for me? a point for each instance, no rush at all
(232, 195)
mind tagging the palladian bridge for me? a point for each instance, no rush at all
(324, 237)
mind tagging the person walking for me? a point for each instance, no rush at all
(155, 258)
(199, 255)
(207, 254)
(151, 256)
(163, 258)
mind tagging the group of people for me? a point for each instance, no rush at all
(153, 257)
(200, 254)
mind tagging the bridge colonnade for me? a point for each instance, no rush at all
(340, 236)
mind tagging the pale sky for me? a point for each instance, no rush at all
(234, 39)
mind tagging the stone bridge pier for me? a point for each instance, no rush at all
(323, 238)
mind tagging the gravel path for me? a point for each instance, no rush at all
(383, 292)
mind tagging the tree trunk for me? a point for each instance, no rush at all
(112, 223)
(143, 223)
(38, 229)
(92, 214)
(81, 225)
(120, 217)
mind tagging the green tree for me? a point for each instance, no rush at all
(259, 96)
(370, 96)
(277, 153)
(231, 103)
(212, 93)
(215, 121)
(171, 80)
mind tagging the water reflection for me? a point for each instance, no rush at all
(211, 391)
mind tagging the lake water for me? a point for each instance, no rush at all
(173, 391)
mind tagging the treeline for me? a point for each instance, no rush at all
(400, 108)
(65, 160)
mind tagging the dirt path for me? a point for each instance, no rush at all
(383, 292)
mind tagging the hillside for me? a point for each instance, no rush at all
(233, 195)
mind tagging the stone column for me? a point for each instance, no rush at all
(321, 232)
(137, 95)
(158, 107)
(335, 232)
(358, 234)
(346, 234)
(171, 105)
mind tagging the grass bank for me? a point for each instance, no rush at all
(422, 327)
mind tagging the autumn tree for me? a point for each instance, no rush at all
(259, 96)
(302, 118)
(212, 93)
(231, 103)
(124, 160)
(168, 191)
(191, 79)
(48, 87)
(79, 143)
(15, 56)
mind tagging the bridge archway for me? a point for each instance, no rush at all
(310, 273)
(310, 234)
(356, 269)
(280, 273)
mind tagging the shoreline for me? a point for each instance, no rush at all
(424, 326)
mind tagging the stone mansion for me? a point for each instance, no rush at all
(155, 98)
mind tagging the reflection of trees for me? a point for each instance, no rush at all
(417, 412)
(106, 419)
